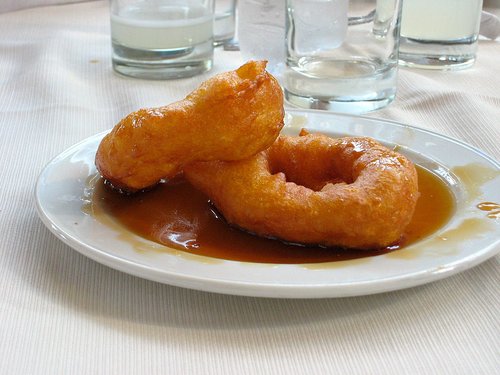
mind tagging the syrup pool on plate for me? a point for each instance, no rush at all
(180, 217)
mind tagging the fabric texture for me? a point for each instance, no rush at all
(62, 313)
(13, 5)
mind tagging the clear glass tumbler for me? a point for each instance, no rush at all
(342, 55)
(225, 21)
(162, 39)
(439, 34)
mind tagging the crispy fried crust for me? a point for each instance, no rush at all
(348, 192)
(242, 107)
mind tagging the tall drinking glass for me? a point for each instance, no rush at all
(342, 55)
(162, 39)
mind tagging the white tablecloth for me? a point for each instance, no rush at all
(62, 313)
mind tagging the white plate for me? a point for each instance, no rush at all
(469, 238)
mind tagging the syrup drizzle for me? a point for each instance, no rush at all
(492, 208)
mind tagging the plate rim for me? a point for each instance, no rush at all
(402, 125)
(274, 290)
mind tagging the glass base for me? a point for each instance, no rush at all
(355, 85)
(338, 105)
(162, 64)
(436, 62)
(162, 71)
(438, 55)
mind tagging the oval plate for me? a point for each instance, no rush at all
(470, 237)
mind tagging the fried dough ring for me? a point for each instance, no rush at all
(242, 107)
(347, 192)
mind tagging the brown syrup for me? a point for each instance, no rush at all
(180, 217)
(492, 208)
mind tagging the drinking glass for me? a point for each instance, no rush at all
(342, 55)
(162, 39)
(439, 34)
(261, 32)
(225, 21)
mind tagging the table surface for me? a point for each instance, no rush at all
(62, 313)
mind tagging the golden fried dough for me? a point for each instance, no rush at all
(348, 192)
(231, 116)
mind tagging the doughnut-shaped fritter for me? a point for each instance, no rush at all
(347, 192)
(231, 116)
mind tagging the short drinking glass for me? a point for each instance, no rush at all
(225, 20)
(342, 55)
(439, 34)
(162, 39)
